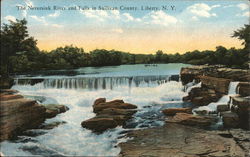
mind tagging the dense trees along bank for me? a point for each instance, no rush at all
(19, 53)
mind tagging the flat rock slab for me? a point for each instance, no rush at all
(190, 119)
(173, 111)
(174, 140)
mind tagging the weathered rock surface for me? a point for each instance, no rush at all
(98, 124)
(173, 111)
(242, 137)
(241, 106)
(188, 74)
(99, 105)
(179, 141)
(18, 114)
(220, 85)
(244, 88)
(7, 91)
(6, 83)
(202, 96)
(54, 109)
(230, 119)
(109, 115)
(215, 82)
(192, 120)
(51, 125)
(222, 108)
(229, 73)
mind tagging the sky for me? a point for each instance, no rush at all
(135, 26)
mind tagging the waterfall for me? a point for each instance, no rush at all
(95, 82)
(232, 90)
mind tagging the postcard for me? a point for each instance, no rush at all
(125, 78)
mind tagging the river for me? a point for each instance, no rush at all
(151, 88)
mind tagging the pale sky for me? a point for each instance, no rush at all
(192, 25)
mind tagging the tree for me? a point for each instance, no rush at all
(15, 40)
(243, 34)
(158, 56)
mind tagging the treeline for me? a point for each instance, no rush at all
(19, 53)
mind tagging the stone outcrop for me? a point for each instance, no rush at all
(215, 82)
(220, 85)
(242, 75)
(244, 88)
(210, 91)
(182, 141)
(6, 83)
(241, 106)
(109, 115)
(54, 109)
(188, 74)
(100, 105)
(173, 111)
(223, 108)
(230, 119)
(19, 114)
(190, 119)
(202, 96)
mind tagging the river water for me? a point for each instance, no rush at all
(151, 88)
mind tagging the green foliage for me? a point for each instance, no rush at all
(15, 40)
(243, 34)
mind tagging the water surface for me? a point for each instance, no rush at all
(150, 88)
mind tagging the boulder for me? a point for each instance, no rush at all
(54, 109)
(173, 111)
(51, 125)
(222, 107)
(18, 114)
(220, 85)
(174, 78)
(99, 124)
(116, 111)
(188, 74)
(241, 106)
(230, 119)
(113, 104)
(201, 96)
(189, 119)
(9, 97)
(244, 88)
(109, 114)
(99, 100)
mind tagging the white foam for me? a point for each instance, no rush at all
(223, 100)
(71, 138)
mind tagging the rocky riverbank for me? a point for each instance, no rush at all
(186, 134)
(174, 140)
(215, 81)
(19, 114)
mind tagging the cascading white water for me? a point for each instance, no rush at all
(232, 89)
(69, 138)
(96, 82)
